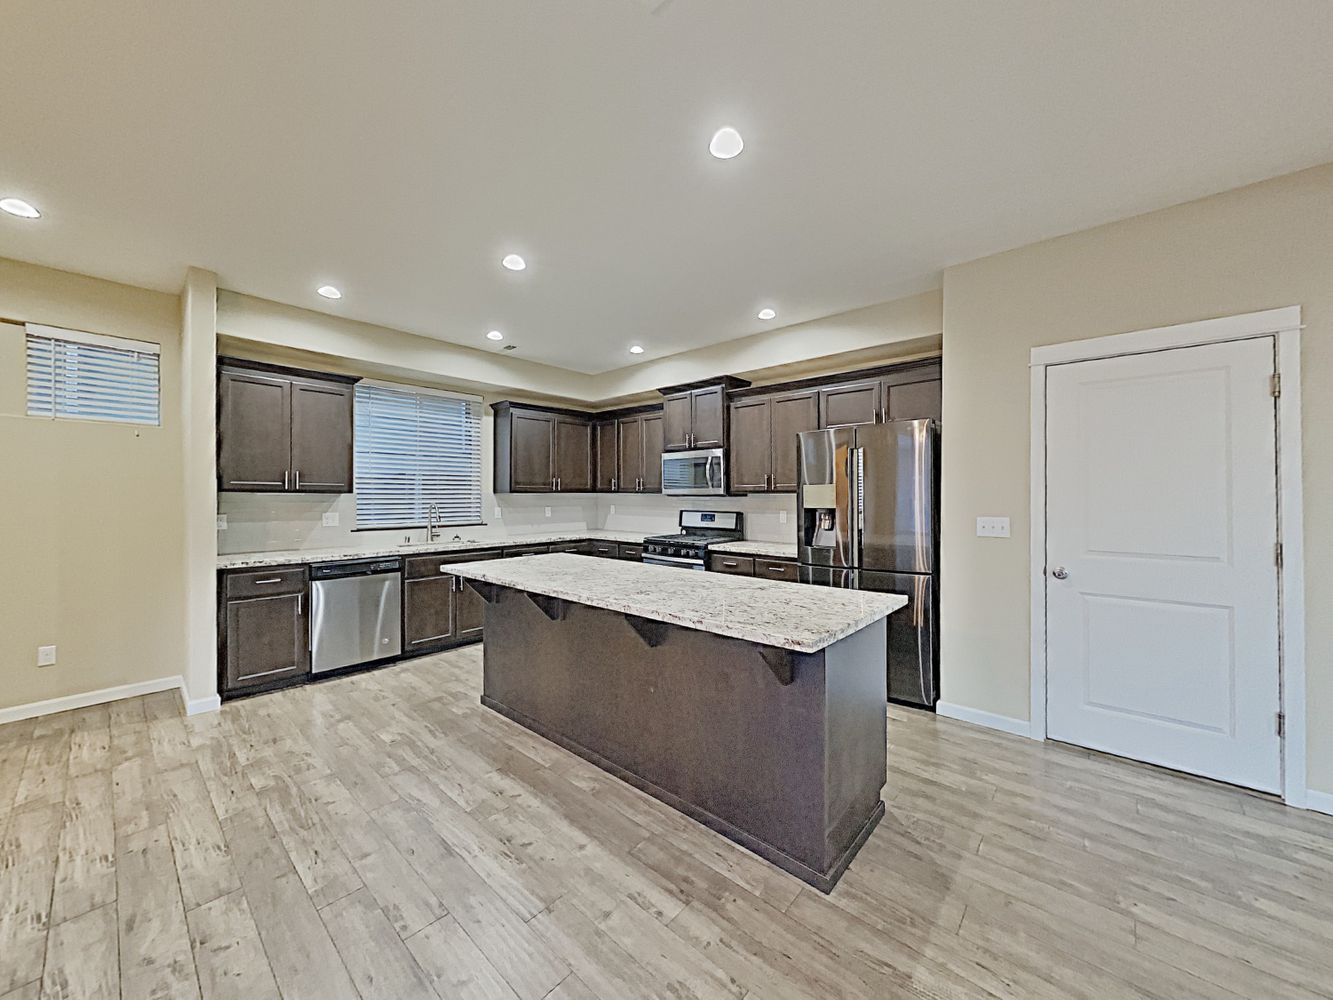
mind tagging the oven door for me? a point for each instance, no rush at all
(694, 473)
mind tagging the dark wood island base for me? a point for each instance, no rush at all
(780, 751)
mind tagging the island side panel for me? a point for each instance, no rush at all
(699, 717)
(856, 692)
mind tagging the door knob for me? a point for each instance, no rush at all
(1060, 573)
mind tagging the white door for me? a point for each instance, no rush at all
(1161, 508)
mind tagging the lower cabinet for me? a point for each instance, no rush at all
(264, 629)
(440, 609)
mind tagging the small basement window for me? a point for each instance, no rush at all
(86, 376)
(416, 447)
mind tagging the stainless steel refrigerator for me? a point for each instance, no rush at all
(868, 519)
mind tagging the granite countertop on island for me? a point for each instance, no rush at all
(285, 557)
(791, 616)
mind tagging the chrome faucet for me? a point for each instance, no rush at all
(434, 523)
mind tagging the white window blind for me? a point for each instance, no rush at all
(414, 448)
(85, 376)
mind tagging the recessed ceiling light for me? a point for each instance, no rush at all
(19, 208)
(636, 349)
(514, 262)
(495, 335)
(768, 314)
(329, 292)
(726, 143)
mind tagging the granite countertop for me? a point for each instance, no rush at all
(771, 550)
(792, 616)
(256, 560)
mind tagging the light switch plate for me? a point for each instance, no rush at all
(992, 527)
(46, 656)
(497, 512)
(782, 517)
(331, 519)
(222, 522)
(613, 508)
(548, 511)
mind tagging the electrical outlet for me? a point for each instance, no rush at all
(46, 656)
(992, 527)
(331, 519)
(222, 522)
(782, 517)
(613, 508)
(497, 512)
(548, 511)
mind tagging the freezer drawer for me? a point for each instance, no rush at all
(355, 619)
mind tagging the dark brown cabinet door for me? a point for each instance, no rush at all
(652, 452)
(254, 433)
(604, 447)
(793, 413)
(913, 400)
(532, 462)
(321, 438)
(469, 612)
(677, 422)
(267, 640)
(708, 420)
(630, 434)
(428, 612)
(573, 455)
(751, 445)
(852, 403)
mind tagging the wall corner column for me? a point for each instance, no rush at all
(198, 419)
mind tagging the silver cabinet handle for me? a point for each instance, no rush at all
(298, 479)
(777, 569)
(726, 562)
(613, 484)
(299, 604)
(285, 474)
(1060, 573)
(276, 579)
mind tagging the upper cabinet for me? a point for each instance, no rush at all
(908, 393)
(283, 430)
(763, 439)
(695, 418)
(639, 453)
(542, 451)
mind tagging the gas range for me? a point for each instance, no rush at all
(688, 548)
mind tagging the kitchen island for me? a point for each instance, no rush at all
(756, 707)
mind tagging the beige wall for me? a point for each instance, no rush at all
(1258, 247)
(90, 513)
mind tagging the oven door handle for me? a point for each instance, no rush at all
(672, 560)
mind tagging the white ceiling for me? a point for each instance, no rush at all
(398, 150)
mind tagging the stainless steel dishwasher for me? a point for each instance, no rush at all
(356, 612)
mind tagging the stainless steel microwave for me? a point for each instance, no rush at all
(694, 473)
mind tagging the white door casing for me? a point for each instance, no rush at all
(1161, 505)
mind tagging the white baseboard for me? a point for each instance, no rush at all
(1319, 801)
(1005, 724)
(197, 706)
(72, 701)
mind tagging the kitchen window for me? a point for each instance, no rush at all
(416, 447)
(86, 376)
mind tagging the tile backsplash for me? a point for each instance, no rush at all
(259, 522)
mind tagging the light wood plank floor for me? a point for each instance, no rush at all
(385, 836)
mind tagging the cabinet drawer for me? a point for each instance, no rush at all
(608, 550)
(581, 548)
(266, 582)
(720, 562)
(631, 552)
(423, 566)
(527, 550)
(777, 569)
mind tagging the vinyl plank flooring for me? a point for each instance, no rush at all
(228, 954)
(456, 967)
(27, 874)
(155, 956)
(391, 836)
(82, 960)
(86, 858)
(381, 966)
